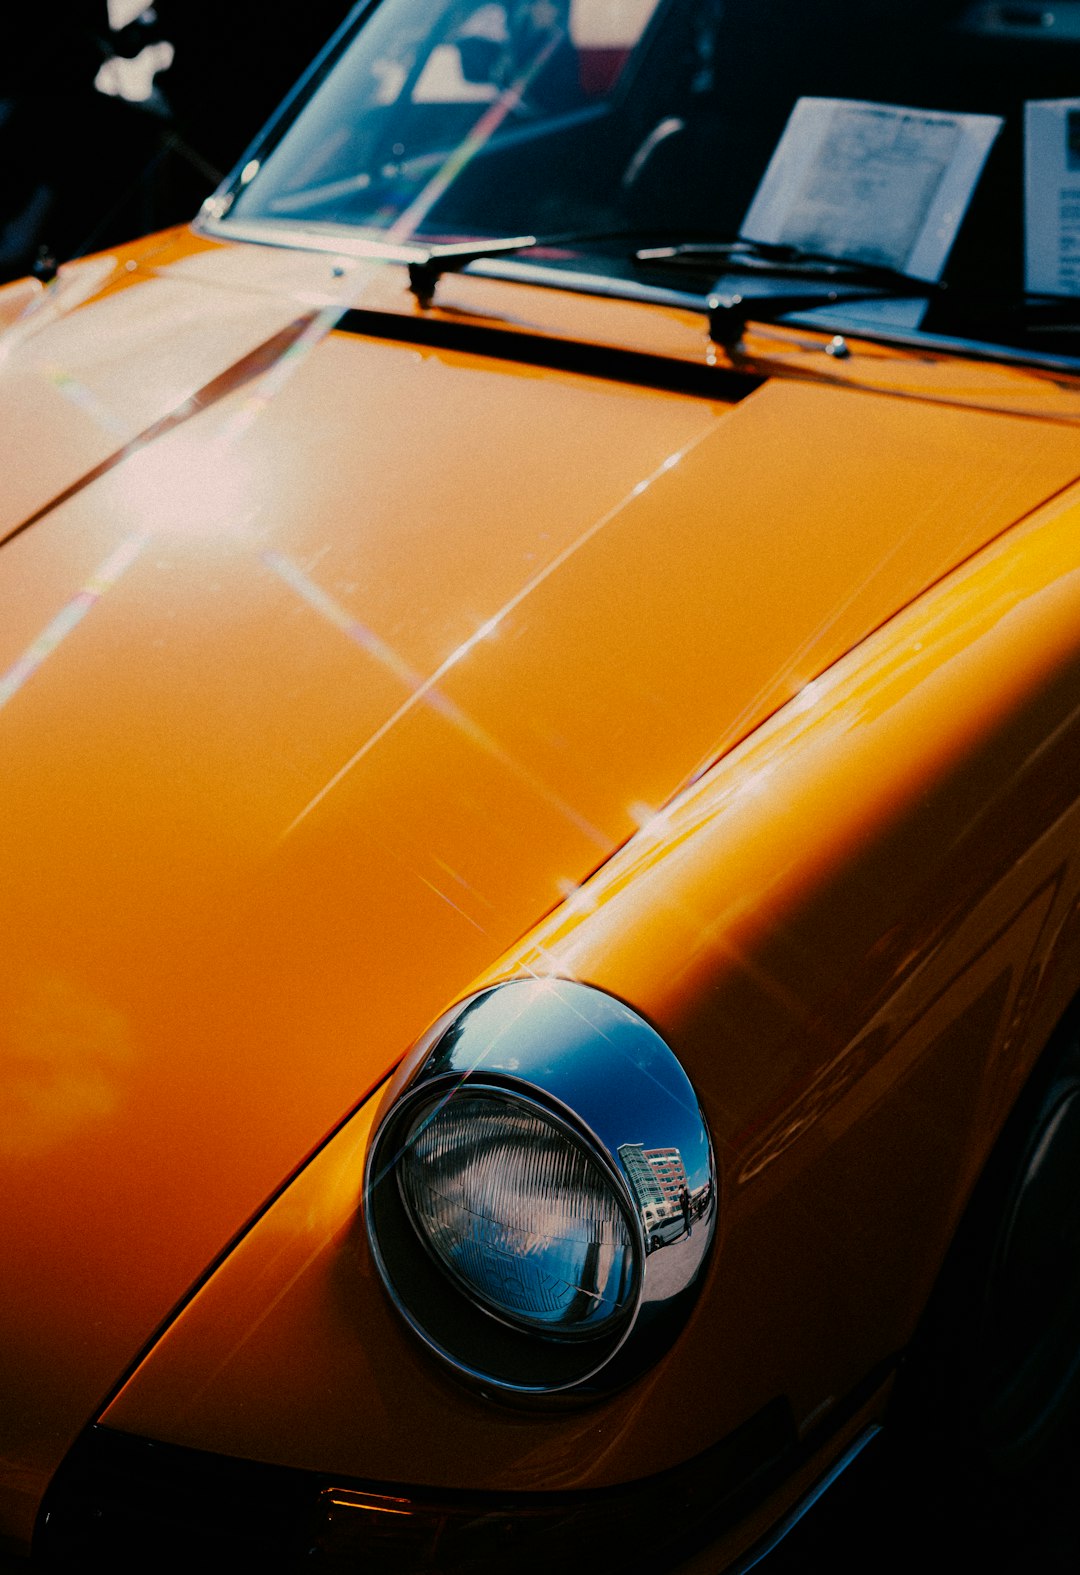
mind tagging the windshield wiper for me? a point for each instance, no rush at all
(779, 260)
(843, 279)
(452, 256)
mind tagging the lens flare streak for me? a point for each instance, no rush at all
(84, 398)
(425, 690)
(422, 691)
(71, 615)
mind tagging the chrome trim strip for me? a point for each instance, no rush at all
(340, 241)
(940, 344)
(783, 1528)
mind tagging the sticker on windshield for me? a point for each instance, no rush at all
(1052, 196)
(872, 183)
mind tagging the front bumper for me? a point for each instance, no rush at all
(120, 1500)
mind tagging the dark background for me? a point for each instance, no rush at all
(81, 170)
(912, 1504)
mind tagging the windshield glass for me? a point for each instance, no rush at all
(897, 133)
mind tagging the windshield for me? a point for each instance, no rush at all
(938, 140)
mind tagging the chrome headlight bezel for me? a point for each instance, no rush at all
(608, 1086)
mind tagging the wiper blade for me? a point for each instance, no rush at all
(1041, 312)
(843, 279)
(779, 260)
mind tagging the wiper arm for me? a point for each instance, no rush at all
(729, 314)
(426, 271)
(451, 257)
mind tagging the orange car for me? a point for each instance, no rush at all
(540, 710)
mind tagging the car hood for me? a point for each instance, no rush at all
(318, 694)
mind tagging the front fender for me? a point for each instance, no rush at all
(856, 931)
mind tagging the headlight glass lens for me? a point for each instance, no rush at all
(515, 1211)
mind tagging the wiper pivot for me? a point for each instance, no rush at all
(425, 272)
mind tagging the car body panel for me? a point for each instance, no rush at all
(93, 380)
(258, 742)
(952, 951)
(172, 801)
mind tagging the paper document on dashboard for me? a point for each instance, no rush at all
(874, 183)
(1052, 196)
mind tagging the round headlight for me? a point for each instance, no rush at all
(540, 1193)
(522, 1219)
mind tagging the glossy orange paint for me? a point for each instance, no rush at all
(159, 825)
(843, 950)
(309, 708)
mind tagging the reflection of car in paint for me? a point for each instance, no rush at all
(538, 811)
